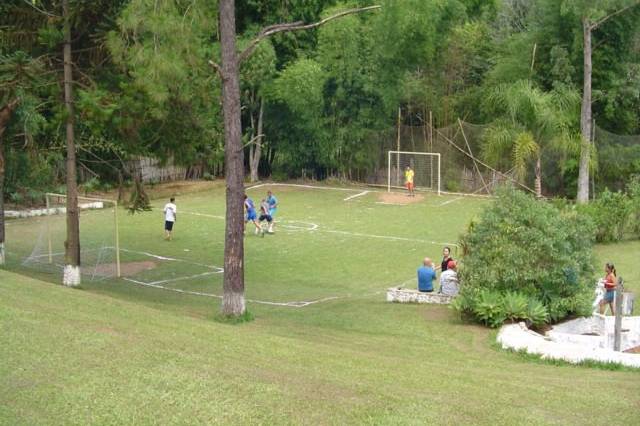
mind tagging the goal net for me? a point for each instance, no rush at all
(426, 167)
(99, 242)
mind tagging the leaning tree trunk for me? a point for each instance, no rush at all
(5, 116)
(256, 149)
(71, 275)
(585, 118)
(233, 303)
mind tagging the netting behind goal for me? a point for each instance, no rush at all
(42, 246)
(459, 146)
(426, 167)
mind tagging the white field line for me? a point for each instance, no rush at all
(387, 237)
(390, 204)
(172, 280)
(295, 304)
(450, 201)
(155, 256)
(316, 228)
(281, 223)
(356, 196)
(295, 185)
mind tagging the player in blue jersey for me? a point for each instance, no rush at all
(251, 215)
(272, 201)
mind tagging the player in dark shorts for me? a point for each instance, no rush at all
(265, 215)
(251, 215)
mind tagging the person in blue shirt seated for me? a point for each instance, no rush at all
(426, 275)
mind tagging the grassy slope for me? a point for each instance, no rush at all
(69, 356)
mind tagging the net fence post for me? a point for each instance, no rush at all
(115, 214)
(438, 157)
(389, 171)
(618, 313)
(46, 217)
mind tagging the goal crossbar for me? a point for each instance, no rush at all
(397, 154)
(49, 195)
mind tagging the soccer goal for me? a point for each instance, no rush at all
(426, 166)
(99, 239)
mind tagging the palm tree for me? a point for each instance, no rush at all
(531, 121)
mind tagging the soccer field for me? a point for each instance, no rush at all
(325, 347)
(329, 243)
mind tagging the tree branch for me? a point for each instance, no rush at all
(611, 15)
(217, 68)
(44, 12)
(253, 140)
(295, 26)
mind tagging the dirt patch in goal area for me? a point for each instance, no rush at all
(127, 269)
(399, 198)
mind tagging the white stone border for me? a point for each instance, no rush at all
(519, 338)
(405, 295)
(21, 214)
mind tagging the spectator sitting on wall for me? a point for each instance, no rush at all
(426, 275)
(449, 280)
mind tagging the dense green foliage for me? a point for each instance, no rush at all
(531, 248)
(330, 96)
(616, 215)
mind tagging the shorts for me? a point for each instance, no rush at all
(266, 217)
(251, 215)
(168, 225)
(409, 185)
(272, 212)
(609, 295)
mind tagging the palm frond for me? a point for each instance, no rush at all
(524, 149)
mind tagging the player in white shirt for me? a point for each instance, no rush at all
(170, 215)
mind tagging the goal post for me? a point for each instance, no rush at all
(99, 236)
(426, 167)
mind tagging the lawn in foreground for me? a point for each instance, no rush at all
(76, 357)
(116, 352)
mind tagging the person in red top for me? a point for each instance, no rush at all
(610, 287)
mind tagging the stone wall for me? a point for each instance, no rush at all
(405, 295)
(518, 337)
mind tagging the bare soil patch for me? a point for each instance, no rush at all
(399, 198)
(127, 269)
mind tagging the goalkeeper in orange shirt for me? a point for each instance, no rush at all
(408, 180)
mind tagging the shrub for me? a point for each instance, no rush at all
(515, 305)
(610, 213)
(536, 312)
(488, 308)
(524, 257)
(633, 189)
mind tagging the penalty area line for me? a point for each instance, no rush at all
(301, 304)
(356, 195)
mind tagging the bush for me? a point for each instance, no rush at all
(525, 259)
(611, 214)
(633, 189)
(492, 308)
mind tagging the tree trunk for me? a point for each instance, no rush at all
(256, 152)
(538, 177)
(585, 118)
(2, 256)
(71, 276)
(233, 302)
(5, 116)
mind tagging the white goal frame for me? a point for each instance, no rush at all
(435, 155)
(51, 211)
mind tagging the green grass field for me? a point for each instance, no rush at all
(119, 352)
